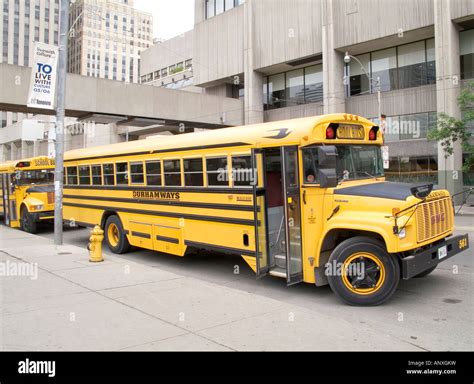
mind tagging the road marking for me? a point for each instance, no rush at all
(461, 228)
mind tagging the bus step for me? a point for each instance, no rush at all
(278, 272)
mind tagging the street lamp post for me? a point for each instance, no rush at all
(347, 60)
(60, 113)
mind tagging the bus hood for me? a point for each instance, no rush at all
(383, 190)
(41, 188)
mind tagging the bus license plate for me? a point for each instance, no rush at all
(442, 252)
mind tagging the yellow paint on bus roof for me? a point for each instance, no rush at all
(255, 134)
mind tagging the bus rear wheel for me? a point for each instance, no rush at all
(27, 222)
(115, 236)
(362, 272)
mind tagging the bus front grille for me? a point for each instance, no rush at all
(434, 218)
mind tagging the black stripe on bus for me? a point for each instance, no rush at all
(196, 148)
(230, 207)
(235, 191)
(141, 234)
(167, 239)
(227, 220)
(220, 248)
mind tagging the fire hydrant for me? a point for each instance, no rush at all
(95, 245)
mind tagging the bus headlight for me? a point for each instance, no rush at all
(402, 234)
(38, 207)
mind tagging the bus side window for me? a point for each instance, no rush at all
(72, 175)
(136, 173)
(121, 171)
(310, 165)
(108, 170)
(96, 175)
(84, 175)
(217, 172)
(153, 172)
(242, 173)
(193, 174)
(172, 170)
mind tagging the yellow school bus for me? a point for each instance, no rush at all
(304, 200)
(27, 192)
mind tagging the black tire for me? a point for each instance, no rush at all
(27, 223)
(375, 287)
(120, 244)
(427, 272)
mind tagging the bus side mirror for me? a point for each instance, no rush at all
(327, 158)
(421, 191)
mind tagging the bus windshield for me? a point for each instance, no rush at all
(353, 162)
(43, 176)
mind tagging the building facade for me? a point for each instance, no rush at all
(107, 38)
(288, 59)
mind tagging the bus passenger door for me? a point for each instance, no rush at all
(292, 210)
(260, 214)
(5, 181)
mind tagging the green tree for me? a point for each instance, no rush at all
(450, 130)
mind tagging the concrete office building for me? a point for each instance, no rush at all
(23, 22)
(107, 39)
(287, 58)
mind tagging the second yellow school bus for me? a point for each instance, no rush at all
(305, 200)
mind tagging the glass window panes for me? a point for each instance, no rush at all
(313, 83)
(219, 6)
(229, 4)
(217, 172)
(265, 93)
(466, 42)
(121, 173)
(108, 171)
(172, 171)
(276, 91)
(411, 65)
(193, 174)
(310, 165)
(294, 87)
(210, 10)
(359, 82)
(413, 126)
(153, 172)
(242, 172)
(84, 175)
(136, 173)
(384, 66)
(430, 62)
(72, 175)
(96, 175)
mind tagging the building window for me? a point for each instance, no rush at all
(313, 79)
(188, 64)
(164, 72)
(96, 175)
(153, 172)
(172, 172)
(219, 7)
(466, 42)
(384, 66)
(430, 62)
(216, 7)
(294, 87)
(121, 171)
(136, 173)
(412, 71)
(217, 172)
(193, 174)
(108, 170)
(210, 9)
(276, 91)
(84, 175)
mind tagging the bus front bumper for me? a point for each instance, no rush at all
(46, 215)
(415, 264)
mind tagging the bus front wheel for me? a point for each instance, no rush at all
(361, 272)
(27, 222)
(115, 236)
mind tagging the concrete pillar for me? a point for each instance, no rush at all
(253, 100)
(448, 87)
(333, 63)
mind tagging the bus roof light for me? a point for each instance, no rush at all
(331, 132)
(373, 133)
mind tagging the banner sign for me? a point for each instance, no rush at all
(43, 76)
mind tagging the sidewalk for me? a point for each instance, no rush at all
(123, 305)
(465, 210)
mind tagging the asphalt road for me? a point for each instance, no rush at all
(434, 313)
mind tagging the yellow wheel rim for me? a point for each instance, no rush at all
(363, 273)
(113, 235)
